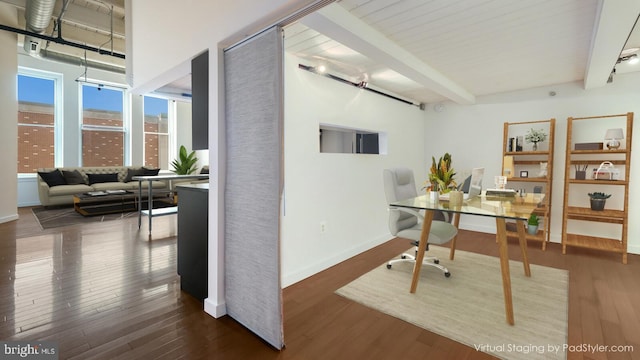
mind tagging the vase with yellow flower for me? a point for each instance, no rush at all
(441, 174)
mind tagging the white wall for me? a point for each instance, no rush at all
(473, 135)
(8, 115)
(343, 191)
(197, 26)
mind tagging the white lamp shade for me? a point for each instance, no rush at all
(614, 134)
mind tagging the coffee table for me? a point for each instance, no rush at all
(101, 203)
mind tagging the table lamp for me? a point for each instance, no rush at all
(613, 135)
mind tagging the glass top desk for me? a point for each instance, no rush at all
(499, 207)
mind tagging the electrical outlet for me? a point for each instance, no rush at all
(323, 226)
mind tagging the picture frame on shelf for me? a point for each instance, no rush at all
(524, 174)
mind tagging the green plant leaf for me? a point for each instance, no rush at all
(185, 163)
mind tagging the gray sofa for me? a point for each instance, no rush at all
(58, 188)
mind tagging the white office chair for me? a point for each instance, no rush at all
(399, 184)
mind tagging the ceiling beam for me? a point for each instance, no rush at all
(613, 24)
(338, 24)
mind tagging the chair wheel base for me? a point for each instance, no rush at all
(388, 266)
(436, 261)
(447, 274)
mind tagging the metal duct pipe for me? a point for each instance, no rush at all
(38, 16)
(73, 60)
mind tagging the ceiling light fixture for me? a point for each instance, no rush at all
(361, 85)
(632, 59)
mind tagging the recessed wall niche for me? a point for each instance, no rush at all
(343, 140)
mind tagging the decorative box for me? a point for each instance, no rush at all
(589, 146)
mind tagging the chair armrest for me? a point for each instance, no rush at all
(419, 215)
(409, 211)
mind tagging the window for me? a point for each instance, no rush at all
(103, 129)
(156, 132)
(37, 118)
(336, 139)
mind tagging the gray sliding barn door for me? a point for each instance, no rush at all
(253, 74)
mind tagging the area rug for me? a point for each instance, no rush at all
(67, 216)
(468, 307)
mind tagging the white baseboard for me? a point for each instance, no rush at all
(8, 218)
(213, 309)
(301, 274)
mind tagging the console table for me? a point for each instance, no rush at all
(164, 211)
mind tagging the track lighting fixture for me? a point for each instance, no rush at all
(632, 59)
(320, 70)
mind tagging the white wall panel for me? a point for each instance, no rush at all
(343, 192)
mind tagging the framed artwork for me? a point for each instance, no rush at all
(524, 174)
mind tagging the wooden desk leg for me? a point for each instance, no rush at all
(522, 238)
(424, 237)
(501, 237)
(456, 222)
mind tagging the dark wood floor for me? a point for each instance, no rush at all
(105, 291)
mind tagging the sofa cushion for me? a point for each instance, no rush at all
(53, 178)
(102, 178)
(150, 172)
(69, 190)
(73, 177)
(133, 172)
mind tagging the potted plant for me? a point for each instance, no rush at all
(441, 174)
(598, 199)
(535, 136)
(532, 224)
(185, 164)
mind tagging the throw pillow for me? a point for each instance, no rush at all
(150, 172)
(133, 172)
(102, 178)
(73, 177)
(53, 178)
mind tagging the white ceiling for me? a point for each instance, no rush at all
(428, 51)
(436, 50)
